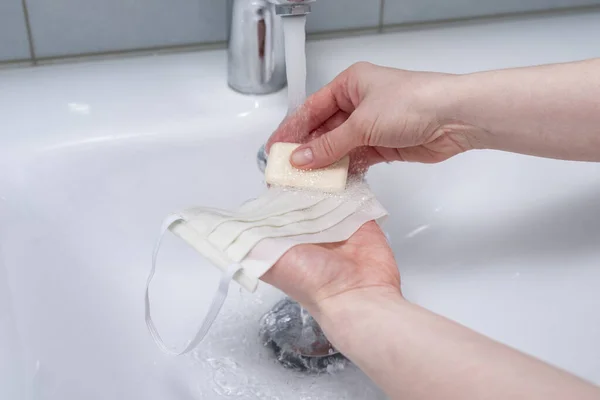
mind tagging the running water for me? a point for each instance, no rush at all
(294, 31)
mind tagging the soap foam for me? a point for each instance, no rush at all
(356, 190)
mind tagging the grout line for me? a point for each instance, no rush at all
(228, 18)
(381, 13)
(342, 33)
(29, 34)
(107, 55)
(9, 64)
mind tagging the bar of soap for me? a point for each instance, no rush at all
(281, 172)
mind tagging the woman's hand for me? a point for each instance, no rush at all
(389, 114)
(312, 274)
(352, 289)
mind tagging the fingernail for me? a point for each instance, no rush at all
(302, 157)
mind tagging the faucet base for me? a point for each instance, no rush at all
(261, 158)
(257, 90)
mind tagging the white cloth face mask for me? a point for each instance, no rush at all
(247, 242)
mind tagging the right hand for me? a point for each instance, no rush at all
(385, 114)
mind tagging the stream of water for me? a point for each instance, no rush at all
(294, 30)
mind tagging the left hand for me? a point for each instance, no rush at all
(312, 274)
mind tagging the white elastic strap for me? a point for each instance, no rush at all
(215, 306)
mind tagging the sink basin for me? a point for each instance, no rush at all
(95, 154)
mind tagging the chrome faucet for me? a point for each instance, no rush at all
(256, 53)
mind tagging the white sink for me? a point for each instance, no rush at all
(94, 155)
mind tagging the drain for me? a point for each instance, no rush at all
(297, 341)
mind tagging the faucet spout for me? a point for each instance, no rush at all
(256, 55)
(292, 7)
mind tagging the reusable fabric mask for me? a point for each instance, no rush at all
(247, 242)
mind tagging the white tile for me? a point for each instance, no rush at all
(13, 34)
(67, 27)
(401, 11)
(329, 15)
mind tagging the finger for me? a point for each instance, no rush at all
(332, 123)
(314, 112)
(317, 109)
(329, 147)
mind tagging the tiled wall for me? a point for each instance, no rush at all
(43, 29)
(14, 44)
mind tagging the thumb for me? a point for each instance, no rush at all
(329, 147)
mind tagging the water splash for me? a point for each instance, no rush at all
(228, 377)
(232, 362)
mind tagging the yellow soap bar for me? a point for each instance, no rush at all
(281, 172)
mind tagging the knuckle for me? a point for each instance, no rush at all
(327, 147)
(356, 70)
(354, 126)
(360, 129)
(360, 66)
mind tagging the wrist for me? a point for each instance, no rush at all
(339, 316)
(450, 98)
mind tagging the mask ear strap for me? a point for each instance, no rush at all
(215, 306)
